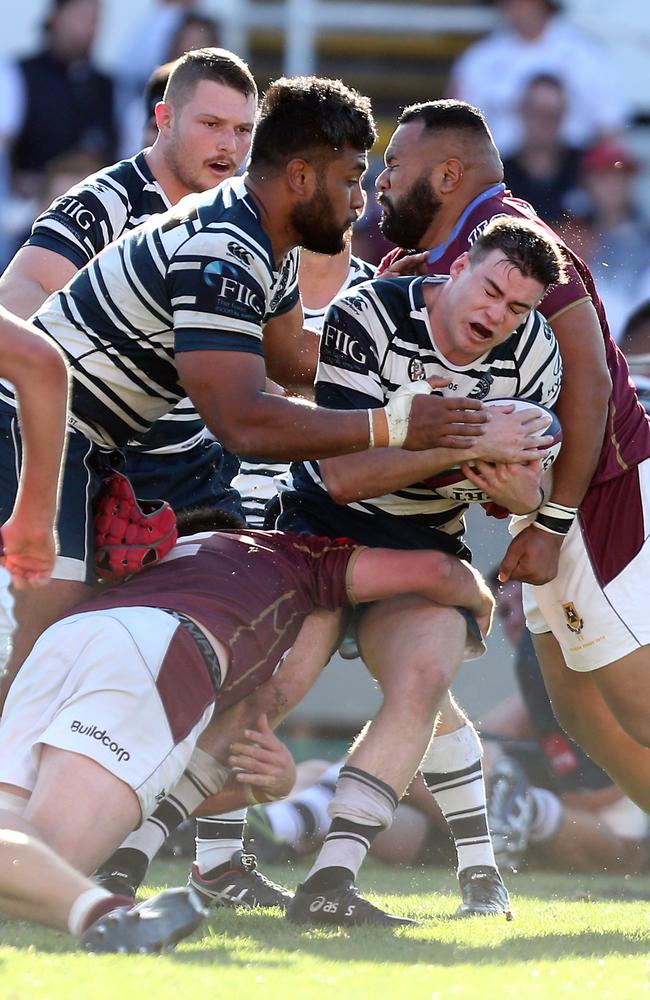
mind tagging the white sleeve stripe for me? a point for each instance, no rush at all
(185, 265)
(210, 323)
(367, 384)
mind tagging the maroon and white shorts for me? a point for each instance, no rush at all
(597, 606)
(127, 687)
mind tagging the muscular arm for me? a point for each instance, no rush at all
(290, 350)
(227, 387)
(375, 473)
(40, 376)
(533, 556)
(378, 574)
(300, 669)
(586, 388)
(32, 276)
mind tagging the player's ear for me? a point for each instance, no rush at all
(164, 114)
(450, 174)
(301, 177)
(459, 265)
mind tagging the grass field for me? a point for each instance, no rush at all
(579, 937)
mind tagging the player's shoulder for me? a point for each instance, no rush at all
(125, 179)
(535, 333)
(378, 291)
(360, 270)
(225, 222)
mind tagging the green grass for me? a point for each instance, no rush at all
(579, 937)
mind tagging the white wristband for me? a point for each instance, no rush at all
(398, 411)
(555, 518)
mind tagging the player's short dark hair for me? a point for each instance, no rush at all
(154, 88)
(192, 520)
(218, 65)
(310, 116)
(526, 245)
(447, 115)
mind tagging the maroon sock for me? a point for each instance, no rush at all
(103, 906)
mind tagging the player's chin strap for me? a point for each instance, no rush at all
(389, 424)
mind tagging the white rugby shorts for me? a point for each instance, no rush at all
(120, 686)
(597, 606)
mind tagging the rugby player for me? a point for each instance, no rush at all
(201, 110)
(205, 126)
(479, 334)
(105, 715)
(584, 558)
(204, 297)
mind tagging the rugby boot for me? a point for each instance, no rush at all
(240, 885)
(152, 926)
(483, 892)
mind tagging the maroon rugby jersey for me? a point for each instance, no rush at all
(627, 434)
(250, 589)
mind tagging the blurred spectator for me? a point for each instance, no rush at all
(60, 174)
(536, 37)
(635, 344)
(66, 102)
(150, 41)
(153, 93)
(194, 32)
(609, 230)
(544, 169)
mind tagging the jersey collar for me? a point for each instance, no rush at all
(439, 251)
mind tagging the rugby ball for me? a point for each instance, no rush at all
(452, 485)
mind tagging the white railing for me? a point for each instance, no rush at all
(302, 20)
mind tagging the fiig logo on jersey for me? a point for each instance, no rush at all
(416, 371)
(233, 288)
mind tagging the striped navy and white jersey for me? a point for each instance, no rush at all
(256, 479)
(378, 338)
(360, 271)
(95, 212)
(199, 277)
(83, 221)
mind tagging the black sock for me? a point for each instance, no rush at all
(328, 878)
(129, 862)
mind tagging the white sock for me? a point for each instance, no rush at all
(217, 839)
(203, 776)
(547, 816)
(454, 774)
(304, 816)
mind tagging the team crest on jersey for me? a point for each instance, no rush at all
(482, 387)
(245, 256)
(416, 370)
(574, 622)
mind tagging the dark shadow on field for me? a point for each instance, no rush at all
(403, 947)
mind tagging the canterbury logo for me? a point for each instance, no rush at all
(245, 256)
